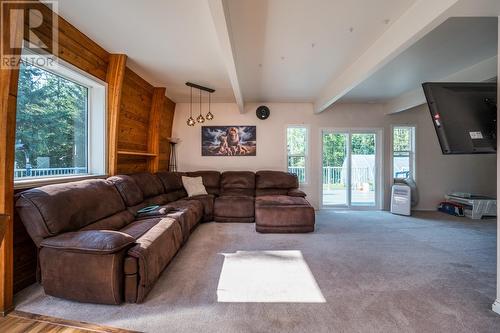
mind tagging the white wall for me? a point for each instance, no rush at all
(496, 304)
(436, 173)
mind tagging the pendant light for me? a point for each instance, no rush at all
(209, 115)
(200, 118)
(190, 121)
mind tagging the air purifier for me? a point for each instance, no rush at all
(401, 200)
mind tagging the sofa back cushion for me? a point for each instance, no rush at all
(54, 209)
(128, 188)
(276, 180)
(211, 180)
(150, 184)
(172, 184)
(238, 183)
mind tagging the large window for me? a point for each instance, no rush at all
(297, 141)
(403, 152)
(60, 117)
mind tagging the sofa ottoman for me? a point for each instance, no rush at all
(283, 214)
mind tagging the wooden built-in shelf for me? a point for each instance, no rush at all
(136, 153)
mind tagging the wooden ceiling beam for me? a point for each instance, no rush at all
(221, 24)
(416, 22)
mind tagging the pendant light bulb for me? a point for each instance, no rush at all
(190, 121)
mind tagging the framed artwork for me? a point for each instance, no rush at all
(228, 141)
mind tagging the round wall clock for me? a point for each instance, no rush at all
(263, 112)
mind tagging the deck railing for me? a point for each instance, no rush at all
(49, 172)
(335, 175)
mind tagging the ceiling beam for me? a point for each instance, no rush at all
(221, 23)
(416, 22)
(482, 71)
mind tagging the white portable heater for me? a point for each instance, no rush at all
(401, 200)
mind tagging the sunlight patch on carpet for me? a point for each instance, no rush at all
(267, 277)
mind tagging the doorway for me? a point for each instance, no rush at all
(351, 168)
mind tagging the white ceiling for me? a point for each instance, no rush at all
(168, 42)
(453, 46)
(287, 50)
(290, 50)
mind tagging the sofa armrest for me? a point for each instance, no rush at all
(296, 193)
(90, 241)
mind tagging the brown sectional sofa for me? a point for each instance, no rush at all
(93, 247)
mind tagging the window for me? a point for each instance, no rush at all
(297, 141)
(403, 152)
(60, 123)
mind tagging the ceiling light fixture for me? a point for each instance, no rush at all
(200, 119)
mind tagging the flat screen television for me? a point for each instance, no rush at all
(464, 116)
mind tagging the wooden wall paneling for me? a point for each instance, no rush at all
(158, 102)
(74, 47)
(132, 126)
(166, 122)
(114, 78)
(25, 255)
(132, 163)
(134, 123)
(8, 98)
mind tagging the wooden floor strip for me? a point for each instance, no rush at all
(24, 322)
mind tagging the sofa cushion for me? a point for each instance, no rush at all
(189, 213)
(175, 195)
(91, 241)
(237, 180)
(211, 180)
(233, 206)
(172, 181)
(172, 184)
(207, 202)
(276, 179)
(113, 222)
(53, 209)
(153, 251)
(128, 188)
(280, 200)
(149, 184)
(186, 219)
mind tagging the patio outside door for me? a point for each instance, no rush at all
(351, 168)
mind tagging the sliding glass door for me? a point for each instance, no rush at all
(350, 168)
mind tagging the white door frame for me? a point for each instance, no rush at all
(379, 166)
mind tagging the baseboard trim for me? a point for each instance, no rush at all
(496, 306)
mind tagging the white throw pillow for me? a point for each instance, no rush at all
(194, 186)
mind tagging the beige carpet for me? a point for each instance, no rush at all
(359, 272)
